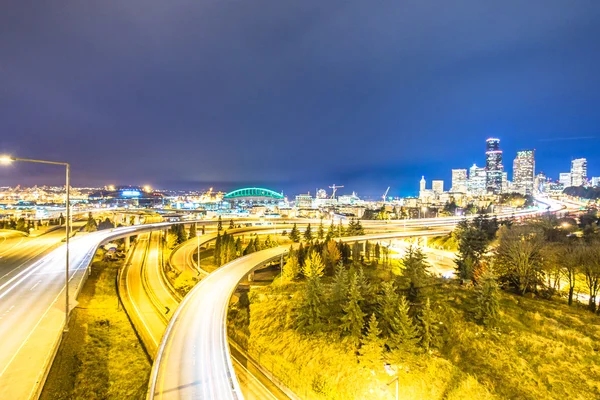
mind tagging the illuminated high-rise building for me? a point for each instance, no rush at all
(437, 186)
(539, 183)
(493, 166)
(565, 179)
(579, 172)
(524, 172)
(459, 181)
(476, 183)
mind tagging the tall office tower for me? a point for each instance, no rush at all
(459, 181)
(506, 184)
(579, 172)
(493, 166)
(476, 184)
(437, 186)
(565, 179)
(524, 172)
(539, 183)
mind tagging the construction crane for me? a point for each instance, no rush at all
(385, 194)
(334, 189)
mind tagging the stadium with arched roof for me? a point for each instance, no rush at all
(254, 195)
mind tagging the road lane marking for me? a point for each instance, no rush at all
(34, 286)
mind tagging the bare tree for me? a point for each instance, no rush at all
(518, 257)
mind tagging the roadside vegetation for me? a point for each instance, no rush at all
(100, 357)
(341, 324)
(225, 248)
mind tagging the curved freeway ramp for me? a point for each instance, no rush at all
(193, 360)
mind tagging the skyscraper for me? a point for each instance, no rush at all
(565, 179)
(493, 166)
(459, 181)
(539, 183)
(579, 172)
(477, 181)
(437, 186)
(524, 172)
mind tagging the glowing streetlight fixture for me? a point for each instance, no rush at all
(6, 160)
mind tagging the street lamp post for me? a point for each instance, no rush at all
(9, 160)
(198, 242)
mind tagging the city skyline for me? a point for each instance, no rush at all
(366, 186)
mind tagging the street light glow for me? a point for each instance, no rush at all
(5, 160)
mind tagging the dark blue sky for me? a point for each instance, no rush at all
(295, 95)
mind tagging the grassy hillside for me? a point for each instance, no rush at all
(100, 357)
(540, 349)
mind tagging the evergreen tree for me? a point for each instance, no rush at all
(106, 224)
(428, 327)
(268, 242)
(22, 225)
(350, 230)
(331, 256)
(311, 312)
(291, 268)
(472, 245)
(308, 236)
(368, 249)
(180, 232)
(341, 231)
(250, 248)
(231, 225)
(217, 252)
(346, 252)
(377, 251)
(301, 254)
(371, 349)
(366, 290)
(387, 302)
(330, 232)
(238, 247)
(321, 232)
(192, 234)
(339, 290)
(294, 234)
(91, 225)
(404, 334)
(203, 229)
(257, 244)
(313, 266)
(359, 228)
(220, 224)
(356, 250)
(488, 306)
(61, 220)
(415, 269)
(352, 321)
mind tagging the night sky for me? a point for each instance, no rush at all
(294, 95)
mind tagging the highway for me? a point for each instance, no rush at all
(193, 360)
(18, 251)
(145, 296)
(32, 306)
(32, 300)
(149, 322)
